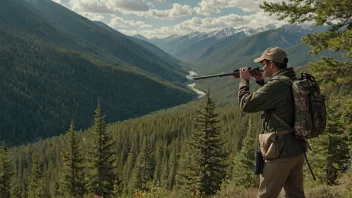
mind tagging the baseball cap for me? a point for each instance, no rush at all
(275, 54)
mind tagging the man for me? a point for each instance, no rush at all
(275, 96)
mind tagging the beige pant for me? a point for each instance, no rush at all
(284, 173)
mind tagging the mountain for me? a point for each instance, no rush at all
(152, 48)
(109, 40)
(230, 48)
(164, 41)
(138, 36)
(50, 77)
(185, 47)
(241, 53)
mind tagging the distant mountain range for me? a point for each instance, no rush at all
(192, 46)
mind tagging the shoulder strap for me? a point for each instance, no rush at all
(287, 81)
(289, 128)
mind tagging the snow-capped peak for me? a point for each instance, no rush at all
(222, 33)
(297, 27)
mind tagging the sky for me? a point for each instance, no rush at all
(162, 18)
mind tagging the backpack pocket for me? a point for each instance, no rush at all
(269, 145)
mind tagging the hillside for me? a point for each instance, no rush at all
(50, 77)
(109, 40)
(172, 61)
(166, 130)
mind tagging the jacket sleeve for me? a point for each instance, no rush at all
(270, 96)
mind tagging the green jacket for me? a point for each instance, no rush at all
(274, 96)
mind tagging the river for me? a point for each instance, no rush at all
(191, 86)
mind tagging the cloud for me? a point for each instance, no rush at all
(108, 6)
(118, 23)
(130, 5)
(175, 12)
(92, 16)
(208, 24)
(206, 7)
(128, 32)
(57, 1)
(137, 7)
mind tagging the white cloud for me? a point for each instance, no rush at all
(118, 23)
(137, 7)
(128, 32)
(108, 6)
(175, 12)
(92, 16)
(206, 7)
(208, 24)
(128, 5)
(57, 1)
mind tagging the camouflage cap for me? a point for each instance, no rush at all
(275, 54)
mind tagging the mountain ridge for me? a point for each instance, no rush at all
(51, 77)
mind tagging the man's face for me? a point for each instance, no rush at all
(267, 69)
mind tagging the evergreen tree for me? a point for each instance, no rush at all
(145, 165)
(334, 75)
(172, 164)
(101, 176)
(331, 152)
(16, 190)
(71, 177)
(203, 166)
(36, 185)
(244, 162)
(6, 173)
(129, 179)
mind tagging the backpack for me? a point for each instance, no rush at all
(310, 109)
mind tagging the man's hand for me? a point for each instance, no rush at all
(258, 76)
(244, 73)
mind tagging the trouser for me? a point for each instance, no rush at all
(281, 173)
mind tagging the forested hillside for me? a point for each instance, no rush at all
(166, 131)
(109, 40)
(50, 77)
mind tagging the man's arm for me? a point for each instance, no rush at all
(270, 96)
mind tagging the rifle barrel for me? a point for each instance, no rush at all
(215, 75)
(236, 72)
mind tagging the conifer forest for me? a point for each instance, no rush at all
(82, 118)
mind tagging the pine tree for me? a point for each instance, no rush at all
(6, 173)
(145, 165)
(16, 190)
(101, 176)
(203, 166)
(36, 185)
(334, 75)
(128, 182)
(143, 170)
(244, 162)
(331, 152)
(71, 176)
